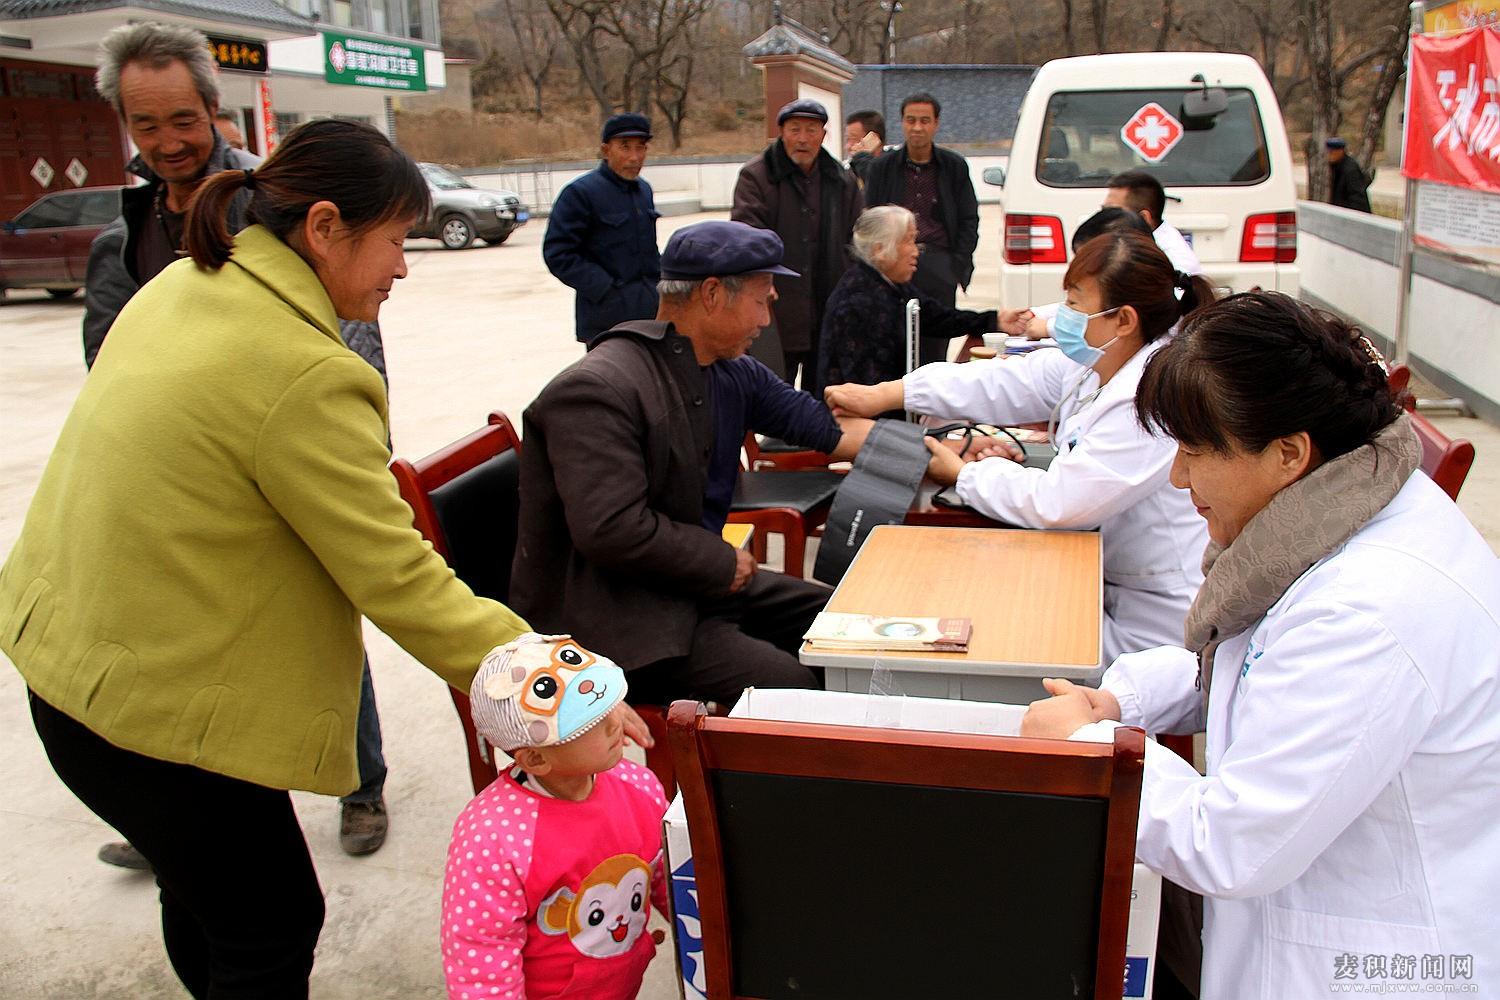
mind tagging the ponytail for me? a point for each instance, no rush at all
(1196, 292)
(206, 232)
(1131, 270)
(353, 166)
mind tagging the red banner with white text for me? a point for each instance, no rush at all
(1453, 118)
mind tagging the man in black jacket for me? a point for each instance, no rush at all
(934, 184)
(1348, 181)
(630, 462)
(808, 198)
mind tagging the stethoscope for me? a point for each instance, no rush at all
(1071, 393)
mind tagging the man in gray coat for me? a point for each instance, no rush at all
(160, 79)
(805, 196)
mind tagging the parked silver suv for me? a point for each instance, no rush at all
(461, 212)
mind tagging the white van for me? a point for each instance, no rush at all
(1206, 124)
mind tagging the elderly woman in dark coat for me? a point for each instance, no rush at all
(864, 331)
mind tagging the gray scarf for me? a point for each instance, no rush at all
(1302, 524)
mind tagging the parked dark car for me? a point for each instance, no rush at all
(47, 245)
(462, 212)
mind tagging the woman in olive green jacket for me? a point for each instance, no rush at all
(184, 601)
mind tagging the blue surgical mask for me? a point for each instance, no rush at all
(1068, 330)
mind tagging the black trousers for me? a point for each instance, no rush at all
(746, 639)
(936, 278)
(241, 907)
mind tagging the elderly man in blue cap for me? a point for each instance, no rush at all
(630, 462)
(799, 191)
(601, 236)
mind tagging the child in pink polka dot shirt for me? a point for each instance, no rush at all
(553, 869)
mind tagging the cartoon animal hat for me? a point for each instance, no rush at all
(542, 690)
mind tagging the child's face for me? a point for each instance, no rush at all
(597, 750)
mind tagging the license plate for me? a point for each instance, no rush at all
(522, 217)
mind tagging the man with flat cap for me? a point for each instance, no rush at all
(1347, 182)
(807, 197)
(630, 462)
(601, 236)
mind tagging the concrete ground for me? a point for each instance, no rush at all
(466, 332)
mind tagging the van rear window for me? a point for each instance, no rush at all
(1085, 139)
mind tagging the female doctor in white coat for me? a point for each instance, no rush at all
(1122, 299)
(1348, 634)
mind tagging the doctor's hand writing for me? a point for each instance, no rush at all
(1070, 708)
(854, 400)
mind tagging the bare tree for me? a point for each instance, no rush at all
(537, 42)
(1392, 68)
(1099, 9)
(581, 25)
(1323, 79)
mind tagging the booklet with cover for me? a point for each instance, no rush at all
(834, 630)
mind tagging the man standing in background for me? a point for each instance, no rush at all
(864, 138)
(805, 196)
(1348, 185)
(934, 184)
(601, 236)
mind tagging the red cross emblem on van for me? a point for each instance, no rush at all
(1152, 132)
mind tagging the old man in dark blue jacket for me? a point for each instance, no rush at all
(601, 237)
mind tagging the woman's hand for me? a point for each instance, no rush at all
(944, 466)
(854, 400)
(1070, 708)
(635, 727)
(996, 447)
(1014, 321)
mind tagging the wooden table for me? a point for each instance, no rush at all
(1035, 598)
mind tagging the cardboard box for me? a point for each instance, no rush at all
(924, 714)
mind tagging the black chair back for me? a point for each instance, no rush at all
(479, 511)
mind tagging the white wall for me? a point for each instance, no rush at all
(1451, 330)
(709, 184)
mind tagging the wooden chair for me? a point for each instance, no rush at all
(792, 504)
(1446, 460)
(846, 862)
(466, 500)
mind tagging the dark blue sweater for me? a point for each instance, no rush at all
(744, 395)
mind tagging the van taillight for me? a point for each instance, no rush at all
(1034, 239)
(1270, 238)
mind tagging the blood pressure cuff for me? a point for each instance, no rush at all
(879, 490)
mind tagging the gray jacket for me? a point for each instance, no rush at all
(111, 278)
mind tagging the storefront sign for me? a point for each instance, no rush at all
(239, 54)
(365, 62)
(1453, 114)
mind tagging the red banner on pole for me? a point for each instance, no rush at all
(1453, 118)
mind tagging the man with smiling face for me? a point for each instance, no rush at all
(630, 463)
(809, 199)
(601, 236)
(161, 81)
(934, 184)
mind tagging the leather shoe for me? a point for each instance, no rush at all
(123, 855)
(363, 826)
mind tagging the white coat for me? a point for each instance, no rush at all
(1177, 249)
(1352, 800)
(1109, 474)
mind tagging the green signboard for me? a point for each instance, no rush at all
(365, 62)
